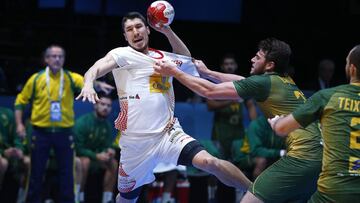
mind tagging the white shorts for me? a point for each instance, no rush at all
(140, 156)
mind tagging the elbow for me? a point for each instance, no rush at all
(280, 130)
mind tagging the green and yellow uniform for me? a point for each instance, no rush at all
(263, 141)
(293, 176)
(35, 92)
(228, 126)
(52, 117)
(92, 135)
(338, 109)
(8, 136)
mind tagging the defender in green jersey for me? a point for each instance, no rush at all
(294, 176)
(338, 109)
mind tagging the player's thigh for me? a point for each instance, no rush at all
(287, 179)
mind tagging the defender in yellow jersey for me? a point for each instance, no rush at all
(294, 176)
(51, 94)
(338, 109)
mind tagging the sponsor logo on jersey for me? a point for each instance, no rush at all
(159, 84)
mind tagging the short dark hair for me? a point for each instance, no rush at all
(52, 46)
(354, 58)
(276, 51)
(130, 16)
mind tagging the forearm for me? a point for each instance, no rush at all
(99, 69)
(18, 117)
(197, 85)
(220, 77)
(177, 44)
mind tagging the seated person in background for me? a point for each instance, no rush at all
(11, 147)
(265, 146)
(228, 119)
(94, 141)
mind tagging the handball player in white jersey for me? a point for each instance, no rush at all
(149, 132)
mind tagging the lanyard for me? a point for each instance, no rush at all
(61, 88)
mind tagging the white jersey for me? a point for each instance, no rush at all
(146, 98)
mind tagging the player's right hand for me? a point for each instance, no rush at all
(20, 130)
(88, 93)
(201, 67)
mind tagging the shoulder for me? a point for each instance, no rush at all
(119, 50)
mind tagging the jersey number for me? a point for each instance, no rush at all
(354, 162)
(355, 135)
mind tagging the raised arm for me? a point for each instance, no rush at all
(215, 76)
(176, 43)
(99, 69)
(283, 125)
(201, 86)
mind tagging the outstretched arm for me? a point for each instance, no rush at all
(99, 69)
(176, 43)
(283, 125)
(215, 76)
(201, 86)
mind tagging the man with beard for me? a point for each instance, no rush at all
(294, 176)
(93, 141)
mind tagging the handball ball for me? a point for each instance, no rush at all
(160, 13)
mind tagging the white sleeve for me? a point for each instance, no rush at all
(119, 56)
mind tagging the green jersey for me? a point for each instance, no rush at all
(338, 109)
(263, 141)
(8, 136)
(92, 135)
(228, 126)
(278, 95)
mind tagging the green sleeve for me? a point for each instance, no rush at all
(107, 143)
(81, 133)
(258, 130)
(110, 140)
(257, 87)
(312, 109)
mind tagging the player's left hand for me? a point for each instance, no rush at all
(88, 93)
(166, 68)
(201, 67)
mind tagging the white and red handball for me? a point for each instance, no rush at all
(160, 13)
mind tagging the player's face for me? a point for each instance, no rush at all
(229, 65)
(54, 58)
(137, 34)
(103, 107)
(258, 63)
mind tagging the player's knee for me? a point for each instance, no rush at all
(85, 163)
(78, 165)
(210, 163)
(3, 165)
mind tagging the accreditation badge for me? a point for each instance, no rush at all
(55, 111)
